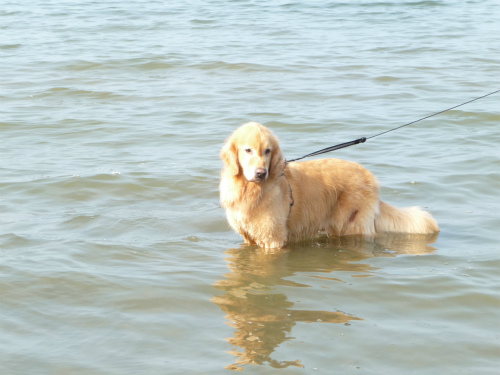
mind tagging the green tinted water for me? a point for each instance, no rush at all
(115, 254)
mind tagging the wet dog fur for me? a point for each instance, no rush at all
(330, 195)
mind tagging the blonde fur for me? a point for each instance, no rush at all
(336, 196)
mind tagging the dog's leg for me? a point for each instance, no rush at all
(355, 214)
(272, 234)
(247, 239)
(274, 242)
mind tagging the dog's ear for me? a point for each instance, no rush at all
(229, 156)
(277, 161)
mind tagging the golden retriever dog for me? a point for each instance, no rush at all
(271, 203)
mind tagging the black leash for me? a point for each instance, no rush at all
(363, 140)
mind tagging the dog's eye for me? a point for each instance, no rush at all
(268, 151)
(248, 150)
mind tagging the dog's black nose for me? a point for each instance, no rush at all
(260, 173)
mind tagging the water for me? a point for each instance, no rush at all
(115, 254)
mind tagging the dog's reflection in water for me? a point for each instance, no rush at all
(262, 319)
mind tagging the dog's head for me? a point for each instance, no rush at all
(253, 151)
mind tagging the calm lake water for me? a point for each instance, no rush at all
(116, 257)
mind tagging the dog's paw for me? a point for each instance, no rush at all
(277, 244)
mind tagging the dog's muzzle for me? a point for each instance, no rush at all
(260, 175)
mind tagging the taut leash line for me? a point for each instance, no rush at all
(331, 148)
(362, 140)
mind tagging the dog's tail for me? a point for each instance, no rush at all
(404, 220)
